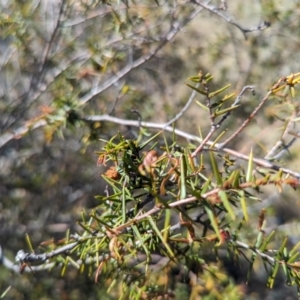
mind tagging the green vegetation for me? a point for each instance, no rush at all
(197, 206)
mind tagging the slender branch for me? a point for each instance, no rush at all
(255, 250)
(175, 28)
(185, 201)
(217, 12)
(155, 260)
(188, 136)
(102, 12)
(253, 114)
(183, 110)
(19, 132)
(236, 102)
(281, 146)
(205, 141)
(246, 122)
(213, 126)
(48, 46)
(261, 162)
(29, 125)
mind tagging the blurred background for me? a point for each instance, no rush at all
(62, 61)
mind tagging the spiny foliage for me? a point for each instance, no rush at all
(172, 213)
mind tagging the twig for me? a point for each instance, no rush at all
(120, 95)
(205, 141)
(280, 145)
(245, 88)
(216, 11)
(253, 114)
(188, 136)
(175, 28)
(179, 203)
(18, 133)
(47, 48)
(155, 260)
(246, 122)
(183, 110)
(41, 264)
(213, 126)
(236, 102)
(255, 250)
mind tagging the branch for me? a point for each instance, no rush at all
(183, 110)
(180, 202)
(236, 102)
(253, 114)
(156, 261)
(217, 12)
(175, 28)
(19, 132)
(219, 147)
(281, 147)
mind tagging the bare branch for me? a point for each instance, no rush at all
(19, 132)
(253, 114)
(175, 28)
(245, 88)
(236, 102)
(281, 147)
(188, 136)
(217, 12)
(183, 110)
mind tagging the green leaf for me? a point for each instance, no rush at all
(28, 241)
(215, 168)
(243, 204)
(275, 267)
(194, 79)
(259, 239)
(167, 224)
(142, 146)
(141, 240)
(5, 292)
(273, 274)
(213, 94)
(157, 231)
(295, 249)
(250, 266)
(258, 243)
(267, 241)
(281, 249)
(206, 185)
(202, 106)
(227, 97)
(235, 178)
(208, 78)
(223, 111)
(213, 219)
(226, 203)
(289, 280)
(123, 204)
(197, 90)
(294, 257)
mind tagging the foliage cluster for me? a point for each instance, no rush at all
(178, 212)
(74, 72)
